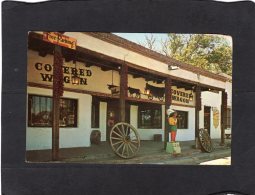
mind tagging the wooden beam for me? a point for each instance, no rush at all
(57, 92)
(168, 102)
(224, 102)
(197, 109)
(123, 91)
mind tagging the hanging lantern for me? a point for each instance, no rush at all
(75, 77)
(190, 97)
(146, 91)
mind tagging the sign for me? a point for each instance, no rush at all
(60, 39)
(216, 117)
(46, 73)
(182, 96)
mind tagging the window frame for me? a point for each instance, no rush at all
(152, 108)
(187, 121)
(29, 106)
(95, 102)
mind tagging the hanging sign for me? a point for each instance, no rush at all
(60, 39)
(216, 117)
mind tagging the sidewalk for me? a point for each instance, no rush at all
(150, 153)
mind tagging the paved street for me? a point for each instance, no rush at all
(150, 153)
(221, 161)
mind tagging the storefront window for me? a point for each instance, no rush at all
(40, 112)
(149, 117)
(95, 113)
(182, 120)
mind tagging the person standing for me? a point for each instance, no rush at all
(173, 125)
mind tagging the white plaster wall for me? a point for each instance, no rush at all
(103, 114)
(182, 134)
(41, 138)
(96, 82)
(145, 134)
(229, 91)
(121, 53)
(189, 133)
(213, 100)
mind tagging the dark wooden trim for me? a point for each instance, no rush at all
(144, 100)
(168, 102)
(124, 43)
(198, 107)
(224, 102)
(118, 61)
(123, 91)
(56, 93)
(105, 95)
(31, 84)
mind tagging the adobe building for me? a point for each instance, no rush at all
(120, 80)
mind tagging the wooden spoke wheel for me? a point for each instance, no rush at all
(205, 141)
(124, 140)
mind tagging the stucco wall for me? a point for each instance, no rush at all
(214, 101)
(121, 53)
(182, 135)
(41, 138)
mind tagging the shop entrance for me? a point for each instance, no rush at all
(207, 118)
(113, 115)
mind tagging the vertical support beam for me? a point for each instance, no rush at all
(224, 99)
(123, 91)
(197, 109)
(168, 102)
(57, 92)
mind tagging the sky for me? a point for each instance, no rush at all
(140, 38)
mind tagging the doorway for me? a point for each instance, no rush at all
(207, 118)
(113, 115)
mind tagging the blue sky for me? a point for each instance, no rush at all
(140, 37)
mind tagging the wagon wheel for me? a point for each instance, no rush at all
(205, 141)
(124, 140)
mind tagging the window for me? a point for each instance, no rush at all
(95, 113)
(40, 112)
(149, 116)
(228, 118)
(182, 120)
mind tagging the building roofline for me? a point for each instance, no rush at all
(124, 43)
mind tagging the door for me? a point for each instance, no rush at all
(207, 118)
(113, 115)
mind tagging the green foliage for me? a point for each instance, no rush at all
(210, 52)
(207, 51)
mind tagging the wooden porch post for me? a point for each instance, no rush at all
(57, 92)
(197, 109)
(168, 102)
(224, 99)
(123, 91)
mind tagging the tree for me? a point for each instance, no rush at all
(210, 52)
